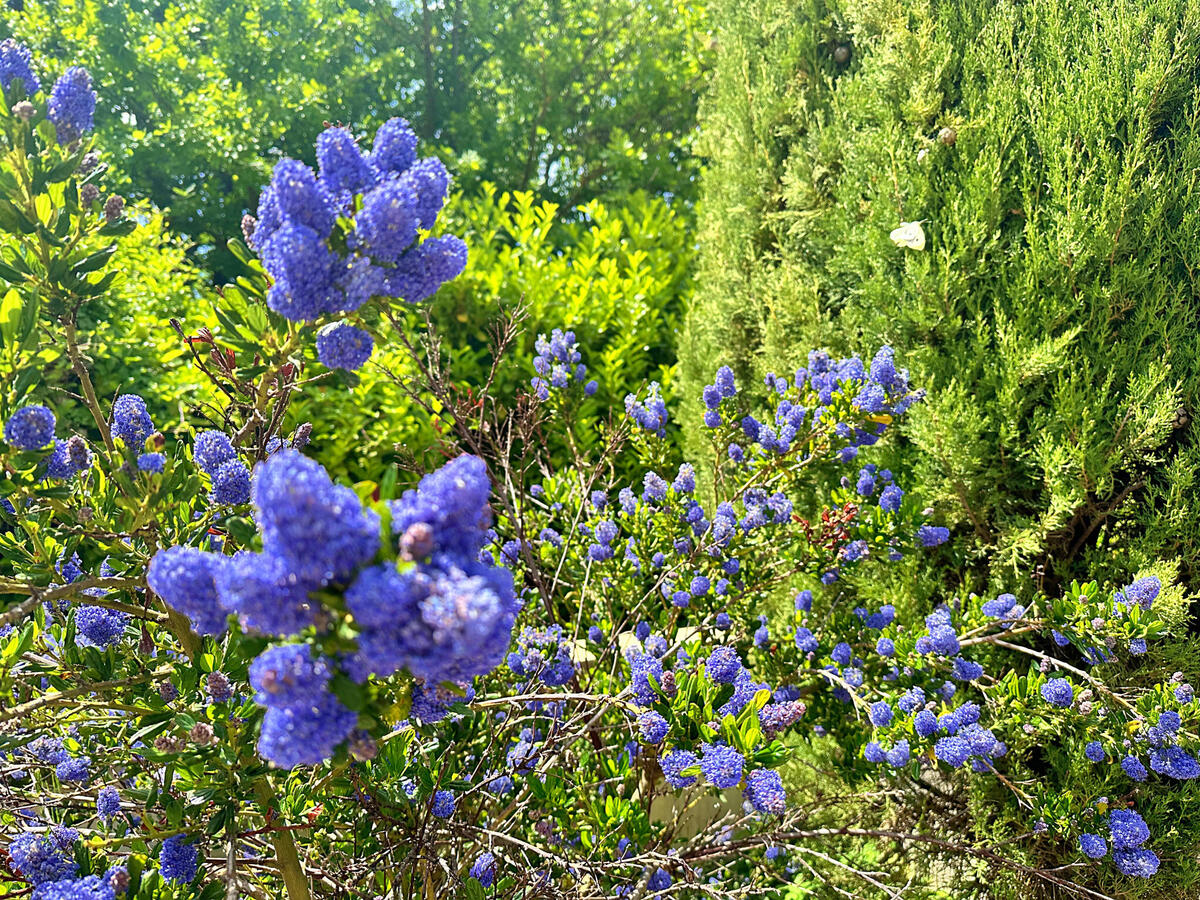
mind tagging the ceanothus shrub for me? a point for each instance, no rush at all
(224, 671)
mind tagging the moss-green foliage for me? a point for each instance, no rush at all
(1051, 314)
(618, 275)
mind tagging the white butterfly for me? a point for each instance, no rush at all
(910, 235)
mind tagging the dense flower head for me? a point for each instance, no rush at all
(1093, 845)
(1139, 863)
(72, 104)
(394, 149)
(305, 736)
(653, 727)
(264, 594)
(108, 803)
(152, 463)
(90, 887)
(342, 346)
(231, 484)
(388, 222)
(764, 791)
(44, 858)
(1142, 592)
(342, 166)
(1128, 829)
(1058, 692)
(130, 420)
(722, 765)
(443, 804)
(1094, 751)
(649, 414)
(288, 676)
(178, 858)
(30, 427)
(211, 450)
(422, 270)
(673, 765)
(60, 464)
(318, 528)
(932, 535)
(557, 362)
(454, 502)
(483, 869)
(183, 577)
(98, 626)
(16, 61)
(723, 665)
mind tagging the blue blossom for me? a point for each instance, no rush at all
(1137, 646)
(183, 577)
(305, 736)
(318, 528)
(1093, 845)
(453, 502)
(443, 804)
(925, 723)
(178, 858)
(342, 346)
(130, 420)
(30, 427)
(16, 61)
(211, 450)
(659, 880)
(890, 498)
(723, 665)
(231, 484)
(108, 803)
(721, 765)
(98, 626)
(1142, 592)
(426, 267)
(154, 463)
(483, 869)
(1140, 863)
(264, 594)
(673, 764)
(932, 535)
(343, 168)
(41, 859)
(1128, 829)
(1133, 767)
(1174, 762)
(806, 641)
(653, 727)
(966, 670)
(1094, 751)
(881, 714)
(764, 790)
(944, 640)
(288, 676)
(954, 750)
(898, 756)
(72, 104)
(650, 414)
(804, 601)
(388, 221)
(90, 887)
(74, 769)
(841, 654)
(394, 149)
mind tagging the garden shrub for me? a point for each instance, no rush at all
(514, 674)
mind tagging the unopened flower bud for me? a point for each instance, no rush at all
(948, 136)
(417, 541)
(118, 880)
(89, 194)
(249, 223)
(363, 746)
(1085, 708)
(1045, 665)
(23, 110)
(841, 55)
(168, 691)
(202, 734)
(89, 163)
(146, 647)
(168, 743)
(77, 452)
(302, 436)
(114, 207)
(669, 687)
(217, 685)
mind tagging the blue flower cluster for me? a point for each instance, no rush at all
(558, 363)
(442, 614)
(297, 232)
(178, 858)
(1128, 832)
(342, 346)
(31, 428)
(72, 105)
(649, 414)
(16, 61)
(544, 655)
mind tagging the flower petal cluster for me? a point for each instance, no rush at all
(72, 105)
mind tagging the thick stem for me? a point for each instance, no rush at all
(85, 381)
(286, 856)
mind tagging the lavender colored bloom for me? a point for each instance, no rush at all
(154, 463)
(483, 869)
(932, 535)
(74, 769)
(674, 763)
(305, 736)
(98, 626)
(650, 414)
(1058, 692)
(342, 346)
(183, 577)
(178, 858)
(764, 791)
(1140, 863)
(30, 427)
(231, 484)
(211, 450)
(108, 803)
(653, 727)
(43, 859)
(72, 104)
(318, 528)
(16, 61)
(890, 498)
(130, 420)
(443, 804)
(723, 665)
(721, 765)
(1093, 845)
